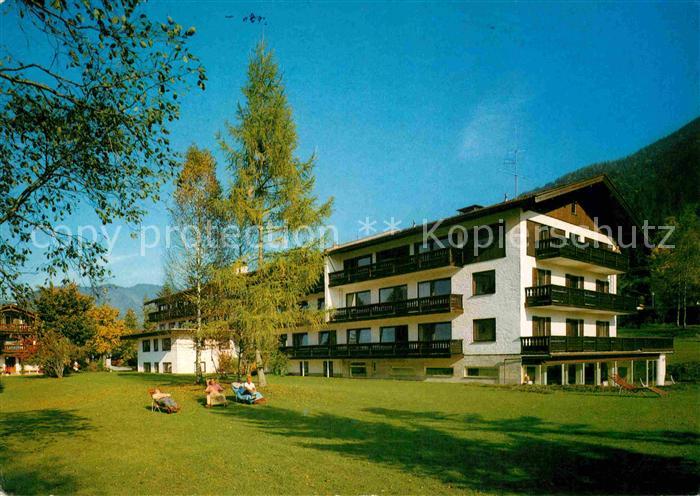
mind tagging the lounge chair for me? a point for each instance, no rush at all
(157, 403)
(214, 399)
(243, 397)
(623, 384)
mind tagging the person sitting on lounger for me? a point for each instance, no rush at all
(249, 386)
(214, 393)
(164, 399)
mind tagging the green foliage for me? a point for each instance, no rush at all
(130, 320)
(271, 198)
(89, 127)
(54, 353)
(684, 372)
(65, 310)
(278, 363)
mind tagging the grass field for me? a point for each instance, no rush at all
(95, 433)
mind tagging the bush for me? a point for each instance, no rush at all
(54, 353)
(278, 363)
(684, 372)
(228, 364)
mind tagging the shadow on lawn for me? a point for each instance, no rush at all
(16, 429)
(527, 461)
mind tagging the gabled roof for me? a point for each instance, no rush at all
(16, 308)
(536, 200)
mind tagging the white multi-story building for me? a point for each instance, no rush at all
(521, 291)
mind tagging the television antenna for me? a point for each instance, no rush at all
(512, 161)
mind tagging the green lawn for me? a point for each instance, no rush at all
(94, 433)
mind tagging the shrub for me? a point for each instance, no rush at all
(279, 363)
(54, 353)
(228, 364)
(684, 372)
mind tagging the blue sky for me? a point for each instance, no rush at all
(413, 107)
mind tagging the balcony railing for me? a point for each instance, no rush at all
(408, 349)
(423, 261)
(16, 328)
(546, 345)
(17, 349)
(566, 248)
(180, 312)
(550, 294)
(416, 306)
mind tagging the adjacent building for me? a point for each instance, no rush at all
(523, 291)
(18, 339)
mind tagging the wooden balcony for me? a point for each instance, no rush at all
(408, 349)
(16, 329)
(17, 349)
(445, 257)
(549, 345)
(181, 312)
(565, 251)
(451, 303)
(551, 295)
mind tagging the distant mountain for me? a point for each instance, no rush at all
(658, 180)
(123, 298)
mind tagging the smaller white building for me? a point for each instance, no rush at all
(172, 351)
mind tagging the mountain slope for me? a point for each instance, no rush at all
(658, 180)
(123, 298)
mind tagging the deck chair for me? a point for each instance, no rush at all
(217, 399)
(654, 389)
(156, 406)
(622, 384)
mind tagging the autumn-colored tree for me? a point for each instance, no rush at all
(109, 330)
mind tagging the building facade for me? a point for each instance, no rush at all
(18, 339)
(524, 291)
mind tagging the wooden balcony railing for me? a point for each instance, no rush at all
(550, 294)
(15, 349)
(179, 312)
(423, 261)
(566, 248)
(546, 345)
(408, 349)
(416, 306)
(16, 328)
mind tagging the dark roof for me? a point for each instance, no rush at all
(17, 308)
(158, 332)
(526, 201)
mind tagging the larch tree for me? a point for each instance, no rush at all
(198, 247)
(84, 120)
(109, 330)
(272, 201)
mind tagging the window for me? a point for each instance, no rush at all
(490, 372)
(359, 336)
(155, 345)
(155, 367)
(300, 339)
(541, 277)
(167, 344)
(356, 262)
(321, 304)
(439, 371)
(484, 330)
(304, 368)
(327, 338)
(147, 367)
(541, 326)
(167, 367)
(358, 369)
(438, 331)
(146, 345)
(393, 253)
(484, 282)
(357, 299)
(437, 287)
(602, 286)
(575, 282)
(574, 327)
(393, 334)
(395, 293)
(573, 208)
(602, 329)
(431, 244)
(327, 368)
(283, 339)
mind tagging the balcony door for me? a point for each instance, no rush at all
(437, 287)
(300, 339)
(574, 282)
(541, 277)
(574, 327)
(394, 334)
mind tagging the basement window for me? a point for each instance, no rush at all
(439, 371)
